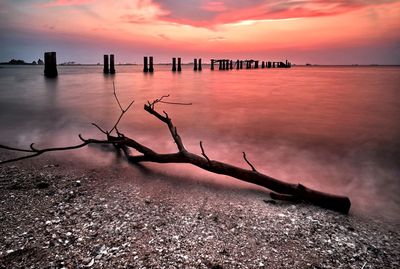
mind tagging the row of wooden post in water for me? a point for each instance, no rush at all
(223, 64)
(50, 64)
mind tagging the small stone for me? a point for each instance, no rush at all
(90, 264)
(272, 202)
(42, 185)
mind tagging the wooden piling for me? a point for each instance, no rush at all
(220, 64)
(50, 65)
(241, 64)
(105, 69)
(255, 64)
(269, 64)
(145, 67)
(151, 68)
(237, 64)
(112, 66)
(173, 64)
(212, 64)
(273, 64)
(195, 64)
(199, 67)
(231, 64)
(179, 65)
(262, 64)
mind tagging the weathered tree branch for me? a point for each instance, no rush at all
(249, 163)
(36, 152)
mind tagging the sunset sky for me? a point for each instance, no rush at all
(303, 31)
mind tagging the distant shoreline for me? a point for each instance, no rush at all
(207, 64)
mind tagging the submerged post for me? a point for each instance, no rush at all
(269, 64)
(241, 64)
(195, 64)
(255, 64)
(262, 64)
(174, 64)
(231, 65)
(237, 64)
(200, 68)
(105, 69)
(151, 68)
(50, 65)
(220, 64)
(112, 68)
(212, 64)
(179, 65)
(145, 67)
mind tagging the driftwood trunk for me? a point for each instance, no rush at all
(281, 190)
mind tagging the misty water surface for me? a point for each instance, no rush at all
(333, 128)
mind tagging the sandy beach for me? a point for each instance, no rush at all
(59, 214)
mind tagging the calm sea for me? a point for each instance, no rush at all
(334, 128)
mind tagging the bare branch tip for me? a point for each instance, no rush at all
(32, 148)
(81, 138)
(248, 162)
(203, 152)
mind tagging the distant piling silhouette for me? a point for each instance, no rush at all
(179, 65)
(199, 67)
(112, 67)
(226, 64)
(174, 64)
(195, 64)
(145, 65)
(50, 65)
(106, 69)
(151, 67)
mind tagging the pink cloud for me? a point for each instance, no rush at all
(211, 13)
(68, 3)
(214, 6)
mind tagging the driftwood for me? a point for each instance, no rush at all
(281, 190)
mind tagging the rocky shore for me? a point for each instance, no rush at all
(53, 215)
